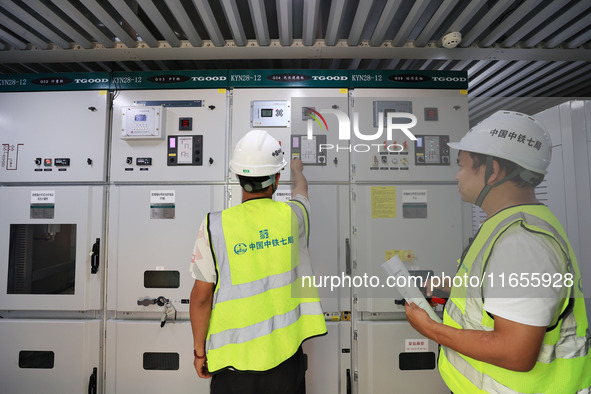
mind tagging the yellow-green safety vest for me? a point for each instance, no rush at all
(564, 361)
(261, 314)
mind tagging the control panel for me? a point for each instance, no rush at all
(309, 151)
(270, 113)
(432, 150)
(403, 135)
(142, 122)
(320, 114)
(185, 150)
(179, 136)
(60, 163)
(390, 157)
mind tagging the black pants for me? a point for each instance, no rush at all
(286, 378)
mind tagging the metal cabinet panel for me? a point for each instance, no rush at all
(53, 136)
(330, 245)
(554, 182)
(190, 145)
(329, 360)
(441, 116)
(393, 357)
(296, 105)
(50, 356)
(588, 118)
(142, 357)
(50, 238)
(150, 243)
(427, 234)
(569, 177)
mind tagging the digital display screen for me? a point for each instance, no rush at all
(172, 143)
(140, 118)
(185, 123)
(431, 113)
(419, 142)
(61, 162)
(266, 112)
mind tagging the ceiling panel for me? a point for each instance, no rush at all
(526, 48)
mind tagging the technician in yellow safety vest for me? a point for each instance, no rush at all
(515, 321)
(249, 311)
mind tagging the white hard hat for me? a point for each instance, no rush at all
(512, 136)
(257, 154)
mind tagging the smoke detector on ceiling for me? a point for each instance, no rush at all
(451, 40)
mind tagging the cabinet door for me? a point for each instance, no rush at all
(393, 355)
(152, 230)
(329, 360)
(142, 357)
(54, 136)
(423, 224)
(51, 247)
(49, 356)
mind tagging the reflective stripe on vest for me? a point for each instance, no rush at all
(241, 335)
(488, 384)
(261, 308)
(465, 311)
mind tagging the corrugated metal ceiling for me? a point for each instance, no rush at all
(525, 48)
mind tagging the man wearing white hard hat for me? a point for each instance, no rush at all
(249, 311)
(515, 320)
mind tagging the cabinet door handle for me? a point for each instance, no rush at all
(94, 256)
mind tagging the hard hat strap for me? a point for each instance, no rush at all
(533, 178)
(487, 173)
(482, 195)
(487, 187)
(256, 186)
